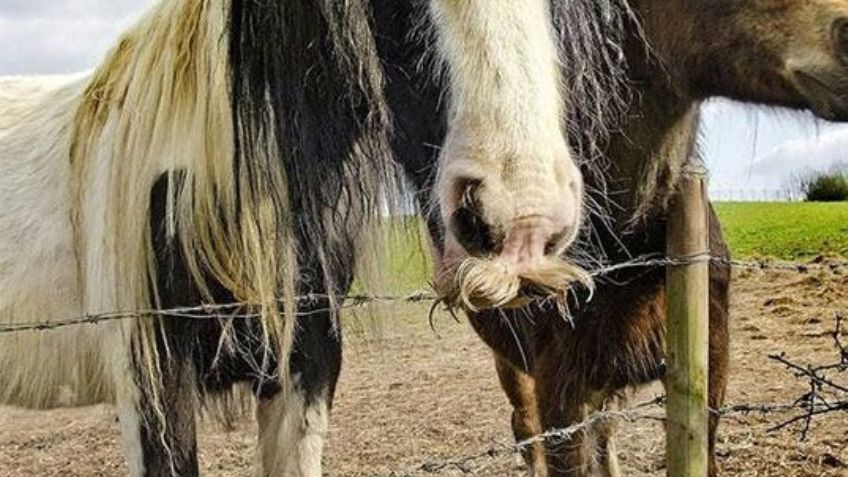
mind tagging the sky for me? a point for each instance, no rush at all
(745, 147)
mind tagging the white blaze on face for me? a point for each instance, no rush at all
(505, 133)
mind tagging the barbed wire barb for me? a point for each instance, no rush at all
(824, 396)
(237, 310)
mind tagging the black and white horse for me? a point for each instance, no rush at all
(234, 151)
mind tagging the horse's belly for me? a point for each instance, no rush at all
(38, 267)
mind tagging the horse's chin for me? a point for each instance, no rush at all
(826, 93)
(477, 284)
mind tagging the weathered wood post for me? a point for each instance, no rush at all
(688, 329)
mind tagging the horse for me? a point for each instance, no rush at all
(233, 156)
(662, 59)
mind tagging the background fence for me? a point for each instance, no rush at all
(756, 195)
(825, 396)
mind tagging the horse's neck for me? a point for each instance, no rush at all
(657, 139)
(644, 161)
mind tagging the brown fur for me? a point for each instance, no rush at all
(618, 341)
(756, 51)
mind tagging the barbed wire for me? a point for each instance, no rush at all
(824, 395)
(217, 311)
(240, 310)
(811, 405)
(469, 464)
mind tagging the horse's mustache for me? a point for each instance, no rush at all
(481, 283)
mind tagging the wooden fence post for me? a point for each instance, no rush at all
(688, 330)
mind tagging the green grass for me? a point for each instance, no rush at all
(405, 266)
(788, 231)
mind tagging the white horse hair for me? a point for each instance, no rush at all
(237, 150)
(80, 155)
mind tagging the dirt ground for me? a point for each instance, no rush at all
(408, 396)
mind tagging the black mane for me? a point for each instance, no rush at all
(305, 73)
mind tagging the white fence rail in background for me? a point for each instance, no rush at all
(755, 195)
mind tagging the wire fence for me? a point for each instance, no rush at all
(757, 195)
(824, 395)
(311, 304)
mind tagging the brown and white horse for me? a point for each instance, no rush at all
(236, 151)
(791, 53)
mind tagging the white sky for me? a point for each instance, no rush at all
(745, 147)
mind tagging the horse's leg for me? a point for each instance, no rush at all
(719, 349)
(605, 454)
(159, 440)
(158, 428)
(560, 409)
(127, 398)
(291, 433)
(293, 421)
(567, 457)
(526, 423)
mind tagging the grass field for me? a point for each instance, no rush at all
(788, 231)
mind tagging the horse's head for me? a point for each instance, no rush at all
(816, 55)
(786, 52)
(509, 192)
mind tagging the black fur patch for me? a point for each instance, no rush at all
(307, 72)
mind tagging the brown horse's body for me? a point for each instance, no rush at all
(554, 372)
(781, 52)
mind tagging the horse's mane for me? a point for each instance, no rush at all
(594, 38)
(268, 119)
(596, 80)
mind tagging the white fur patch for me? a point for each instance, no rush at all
(291, 435)
(38, 267)
(507, 116)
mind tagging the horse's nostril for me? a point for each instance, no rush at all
(472, 232)
(839, 36)
(467, 223)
